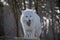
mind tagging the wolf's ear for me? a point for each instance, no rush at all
(34, 11)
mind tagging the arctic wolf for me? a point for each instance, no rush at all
(30, 23)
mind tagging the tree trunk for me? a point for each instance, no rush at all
(30, 4)
(1, 25)
(17, 6)
(24, 4)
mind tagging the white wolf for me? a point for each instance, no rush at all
(30, 23)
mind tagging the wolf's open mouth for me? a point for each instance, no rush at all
(28, 23)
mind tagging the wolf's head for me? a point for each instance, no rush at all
(28, 16)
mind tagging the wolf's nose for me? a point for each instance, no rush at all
(29, 20)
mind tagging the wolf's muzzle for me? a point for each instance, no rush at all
(29, 22)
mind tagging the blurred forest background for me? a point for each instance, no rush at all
(48, 10)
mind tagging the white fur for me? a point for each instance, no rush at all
(35, 26)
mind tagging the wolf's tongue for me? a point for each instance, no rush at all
(28, 23)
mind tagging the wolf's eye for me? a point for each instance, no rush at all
(30, 16)
(26, 16)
